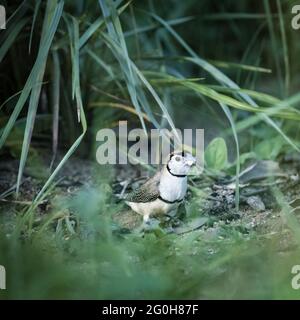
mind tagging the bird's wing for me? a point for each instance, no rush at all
(147, 192)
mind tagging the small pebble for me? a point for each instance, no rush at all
(256, 203)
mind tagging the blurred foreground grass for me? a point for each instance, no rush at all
(96, 262)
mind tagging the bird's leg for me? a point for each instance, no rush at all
(148, 224)
(145, 224)
(146, 219)
(171, 220)
(172, 213)
(170, 216)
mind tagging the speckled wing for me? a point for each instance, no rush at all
(147, 192)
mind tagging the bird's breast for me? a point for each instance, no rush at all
(172, 188)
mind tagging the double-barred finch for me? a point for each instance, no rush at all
(163, 193)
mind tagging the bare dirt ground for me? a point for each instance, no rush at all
(209, 204)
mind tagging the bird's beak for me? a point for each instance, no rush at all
(191, 162)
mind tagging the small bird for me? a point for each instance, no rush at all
(163, 193)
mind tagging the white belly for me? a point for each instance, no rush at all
(153, 208)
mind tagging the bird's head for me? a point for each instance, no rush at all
(180, 163)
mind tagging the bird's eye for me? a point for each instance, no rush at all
(177, 158)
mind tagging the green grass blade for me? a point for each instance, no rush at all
(238, 168)
(236, 16)
(107, 68)
(19, 10)
(242, 66)
(280, 113)
(119, 106)
(259, 96)
(95, 26)
(219, 76)
(285, 50)
(75, 67)
(74, 39)
(273, 41)
(253, 120)
(36, 10)
(65, 158)
(216, 63)
(90, 31)
(51, 20)
(8, 99)
(116, 35)
(56, 103)
(149, 87)
(32, 79)
(249, 47)
(212, 92)
(173, 22)
(12, 32)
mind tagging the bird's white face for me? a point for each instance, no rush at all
(181, 164)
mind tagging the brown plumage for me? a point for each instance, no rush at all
(147, 192)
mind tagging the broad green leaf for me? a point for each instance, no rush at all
(269, 149)
(216, 154)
